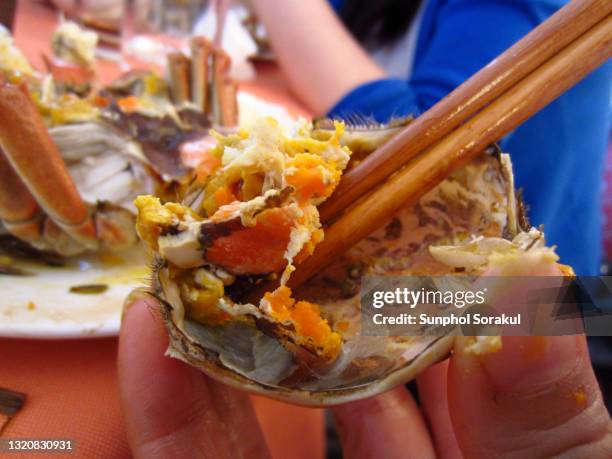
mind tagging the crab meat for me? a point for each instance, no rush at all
(12, 60)
(310, 351)
(73, 44)
(256, 216)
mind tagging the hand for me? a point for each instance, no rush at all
(537, 397)
(172, 410)
(315, 51)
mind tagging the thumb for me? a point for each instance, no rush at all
(536, 397)
(170, 409)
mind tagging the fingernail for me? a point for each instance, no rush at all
(135, 296)
(528, 362)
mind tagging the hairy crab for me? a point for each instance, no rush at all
(73, 156)
(255, 217)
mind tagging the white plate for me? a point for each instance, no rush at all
(42, 305)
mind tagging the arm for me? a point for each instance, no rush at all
(457, 38)
(329, 70)
(463, 36)
(320, 59)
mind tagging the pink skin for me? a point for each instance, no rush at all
(536, 397)
(172, 410)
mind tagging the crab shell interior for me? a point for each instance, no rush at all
(478, 199)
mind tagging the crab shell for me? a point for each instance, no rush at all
(478, 199)
(183, 348)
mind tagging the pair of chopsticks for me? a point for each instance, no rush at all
(523, 80)
(567, 27)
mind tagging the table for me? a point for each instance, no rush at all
(71, 385)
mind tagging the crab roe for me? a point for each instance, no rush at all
(255, 215)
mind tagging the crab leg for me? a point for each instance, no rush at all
(29, 149)
(201, 50)
(24, 219)
(18, 209)
(178, 74)
(220, 67)
(229, 103)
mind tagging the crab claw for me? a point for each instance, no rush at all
(35, 179)
(18, 209)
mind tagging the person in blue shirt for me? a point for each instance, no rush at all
(404, 56)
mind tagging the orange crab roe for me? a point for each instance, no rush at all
(258, 249)
(306, 317)
(207, 165)
(224, 196)
(309, 177)
(128, 104)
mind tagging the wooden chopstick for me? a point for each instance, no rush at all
(501, 116)
(510, 67)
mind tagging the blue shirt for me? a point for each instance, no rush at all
(558, 154)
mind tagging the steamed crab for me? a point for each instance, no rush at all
(255, 217)
(223, 218)
(74, 157)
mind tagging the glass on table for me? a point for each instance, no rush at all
(152, 29)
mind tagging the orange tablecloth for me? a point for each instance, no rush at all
(71, 386)
(72, 393)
